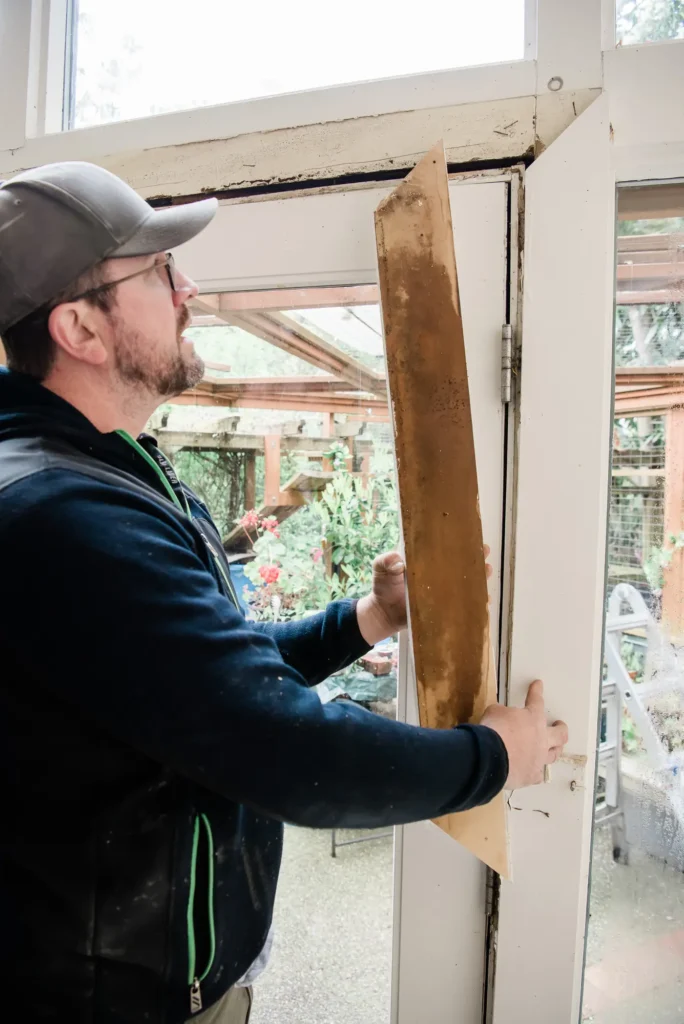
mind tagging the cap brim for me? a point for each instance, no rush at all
(165, 229)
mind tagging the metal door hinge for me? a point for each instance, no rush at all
(489, 894)
(506, 362)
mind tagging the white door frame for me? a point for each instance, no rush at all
(328, 239)
(486, 113)
(559, 571)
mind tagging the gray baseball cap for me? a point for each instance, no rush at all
(59, 220)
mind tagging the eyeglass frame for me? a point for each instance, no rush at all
(167, 263)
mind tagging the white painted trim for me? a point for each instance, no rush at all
(492, 131)
(363, 99)
(47, 66)
(649, 163)
(329, 238)
(15, 58)
(608, 19)
(645, 86)
(405, 694)
(569, 43)
(531, 29)
(559, 561)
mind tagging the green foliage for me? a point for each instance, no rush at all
(660, 337)
(247, 355)
(641, 21)
(217, 477)
(357, 520)
(326, 550)
(634, 657)
(631, 741)
(628, 433)
(660, 558)
(289, 576)
(652, 334)
(663, 226)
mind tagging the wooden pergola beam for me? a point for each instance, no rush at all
(204, 440)
(282, 299)
(645, 389)
(650, 243)
(650, 202)
(647, 271)
(652, 376)
(634, 297)
(648, 390)
(286, 334)
(368, 409)
(325, 384)
(221, 367)
(647, 402)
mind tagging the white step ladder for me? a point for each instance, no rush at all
(664, 676)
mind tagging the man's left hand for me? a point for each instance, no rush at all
(383, 612)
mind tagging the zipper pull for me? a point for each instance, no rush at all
(195, 997)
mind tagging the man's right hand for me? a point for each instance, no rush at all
(530, 742)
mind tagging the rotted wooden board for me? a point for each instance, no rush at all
(430, 401)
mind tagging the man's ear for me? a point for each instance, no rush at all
(74, 328)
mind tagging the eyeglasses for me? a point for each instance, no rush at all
(167, 264)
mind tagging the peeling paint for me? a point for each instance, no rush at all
(500, 130)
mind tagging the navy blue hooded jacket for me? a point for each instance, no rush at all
(152, 741)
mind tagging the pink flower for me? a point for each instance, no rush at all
(271, 524)
(269, 573)
(250, 520)
(317, 554)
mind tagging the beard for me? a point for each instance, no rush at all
(164, 375)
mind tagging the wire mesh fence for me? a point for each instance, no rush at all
(637, 496)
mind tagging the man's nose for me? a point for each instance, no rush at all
(185, 286)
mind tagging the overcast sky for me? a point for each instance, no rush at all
(213, 51)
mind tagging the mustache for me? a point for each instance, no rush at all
(184, 320)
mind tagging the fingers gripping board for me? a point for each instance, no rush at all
(430, 401)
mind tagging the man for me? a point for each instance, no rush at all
(152, 741)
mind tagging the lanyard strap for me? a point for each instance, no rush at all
(163, 468)
(158, 470)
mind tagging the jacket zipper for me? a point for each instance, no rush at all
(198, 913)
(224, 575)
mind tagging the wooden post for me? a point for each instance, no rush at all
(349, 461)
(271, 469)
(328, 424)
(250, 480)
(673, 575)
(365, 467)
(328, 431)
(428, 382)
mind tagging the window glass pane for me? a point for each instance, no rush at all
(645, 21)
(135, 59)
(635, 952)
(288, 441)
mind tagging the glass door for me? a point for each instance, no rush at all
(635, 951)
(289, 438)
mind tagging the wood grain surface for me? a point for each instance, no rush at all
(430, 402)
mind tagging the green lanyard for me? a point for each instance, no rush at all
(183, 506)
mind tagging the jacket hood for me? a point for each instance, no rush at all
(27, 409)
